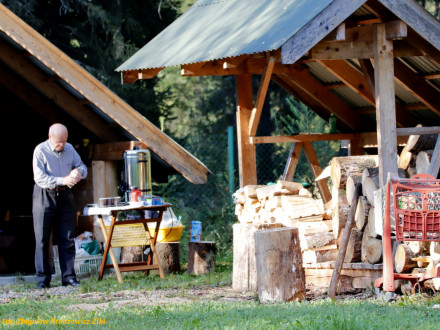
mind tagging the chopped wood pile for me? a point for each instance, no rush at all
(321, 226)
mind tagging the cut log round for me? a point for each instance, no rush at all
(280, 274)
(201, 257)
(373, 171)
(418, 247)
(350, 186)
(343, 167)
(373, 250)
(362, 212)
(434, 251)
(403, 259)
(340, 215)
(353, 253)
(365, 237)
(423, 161)
(370, 184)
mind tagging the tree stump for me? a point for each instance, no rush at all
(168, 254)
(201, 257)
(244, 270)
(131, 254)
(280, 274)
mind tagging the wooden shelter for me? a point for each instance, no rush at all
(374, 64)
(40, 85)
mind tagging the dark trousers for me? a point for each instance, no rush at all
(54, 209)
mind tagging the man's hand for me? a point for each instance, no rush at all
(72, 179)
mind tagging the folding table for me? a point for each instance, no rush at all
(135, 232)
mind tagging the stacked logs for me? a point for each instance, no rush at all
(346, 172)
(283, 202)
(289, 204)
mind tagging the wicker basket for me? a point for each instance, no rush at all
(83, 265)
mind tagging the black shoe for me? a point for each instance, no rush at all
(71, 282)
(43, 286)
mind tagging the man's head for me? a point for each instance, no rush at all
(58, 136)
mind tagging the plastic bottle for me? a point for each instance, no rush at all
(134, 194)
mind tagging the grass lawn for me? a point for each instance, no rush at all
(183, 301)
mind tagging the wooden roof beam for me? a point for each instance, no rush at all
(417, 86)
(261, 96)
(303, 80)
(425, 47)
(130, 77)
(56, 93)
(359, 84)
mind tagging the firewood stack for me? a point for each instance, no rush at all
(289, 204)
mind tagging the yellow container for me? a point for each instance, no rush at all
(169, 234)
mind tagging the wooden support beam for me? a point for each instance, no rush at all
(368, 70)
(425, 47)
(337, 34)
(434, 166)
(247, 161)
(316, 170)
(316, 29)
(303, 80)
(129, 77)
(115, 150)
(149, 73)
(416, 85)
(394, 30)
(292, 161)
(385, 103)
(431, 75)
(303, 137)
(351, 77)
(417, 18)
(261, 96)
(342, 50)
(56, 93)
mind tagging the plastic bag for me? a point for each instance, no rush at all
(169, 219)
(80, 240)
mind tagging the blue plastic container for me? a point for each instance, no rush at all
(196, 231)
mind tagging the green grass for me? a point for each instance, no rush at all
(415, 312)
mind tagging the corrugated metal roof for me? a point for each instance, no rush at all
(215, 29)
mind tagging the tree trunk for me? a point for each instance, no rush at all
(343, 167)
(201, 258)
(403, 259)
(362, 211)
(280, 274)
(351, 183)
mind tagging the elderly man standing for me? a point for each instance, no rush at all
(57, 168)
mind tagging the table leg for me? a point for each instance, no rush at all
(153, 245)
(108, 248)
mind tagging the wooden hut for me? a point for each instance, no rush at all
(40, 85)
(374, 64)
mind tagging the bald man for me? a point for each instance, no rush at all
(57, 168)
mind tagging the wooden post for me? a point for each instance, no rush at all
(280, 274)
(247, 160)
(292, 161)
(385, 103)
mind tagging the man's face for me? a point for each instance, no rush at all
(58, 141)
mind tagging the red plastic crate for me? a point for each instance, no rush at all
(417, 208)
